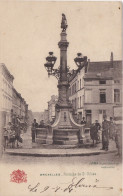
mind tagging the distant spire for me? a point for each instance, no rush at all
(111, 59)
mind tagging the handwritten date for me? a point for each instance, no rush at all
(70, 187)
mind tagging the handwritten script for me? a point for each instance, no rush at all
(75, 183)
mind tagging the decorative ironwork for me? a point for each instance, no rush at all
(56, 73)
(50, 64)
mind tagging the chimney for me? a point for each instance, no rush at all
(111, 59)
(87, 66)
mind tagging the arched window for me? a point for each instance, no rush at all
(80, 102)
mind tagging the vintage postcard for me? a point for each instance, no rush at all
(60, 98)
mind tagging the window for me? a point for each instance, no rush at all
(80, 83)
(103, 112)
(75, 87)
(116, 81)
(116, 95)
(88, 96)
(102, 96)
(75, 103)
(88, 117)
(83, 100)
(80, 102)
(102, 82)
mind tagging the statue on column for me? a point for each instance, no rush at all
(64, 23)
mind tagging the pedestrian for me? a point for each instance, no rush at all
(118, 139)
(9, 130)
(92, 132)
(105, 134)
(83, 122)
(12, 136)
(34, 133)
(5, 134)
(18, 132)
(97, 128)
(111, 128)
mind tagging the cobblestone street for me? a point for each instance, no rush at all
(111, 157)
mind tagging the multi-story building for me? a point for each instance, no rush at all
(99, 90)
(19, 106)
(6, 80)
(76, 91)
(16, 103)
(51, 107)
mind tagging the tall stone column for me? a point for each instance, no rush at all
(63, 84)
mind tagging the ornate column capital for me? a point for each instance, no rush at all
(63, 45)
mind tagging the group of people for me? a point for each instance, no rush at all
(34, 127)
(109, 131)
(12, 132)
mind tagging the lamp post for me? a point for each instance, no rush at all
(64, 131)
(50, 63)
(80, 60)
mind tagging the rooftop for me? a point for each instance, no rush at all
(2, 66)
(101, 69)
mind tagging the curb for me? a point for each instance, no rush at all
(58, 154)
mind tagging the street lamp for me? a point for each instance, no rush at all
(80, 60)
(50, 63)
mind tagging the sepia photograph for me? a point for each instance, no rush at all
(61, 98)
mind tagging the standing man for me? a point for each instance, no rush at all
(111, 128)
(34, 126)
(118, 139)
(97, 128)
(105, 134)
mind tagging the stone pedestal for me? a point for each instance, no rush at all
(65, 131)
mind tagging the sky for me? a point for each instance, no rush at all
(29, 30)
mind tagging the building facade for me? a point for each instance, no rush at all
(6, 80)
(51, 107)
(19, 106)
(99, 90)
(77, 92)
